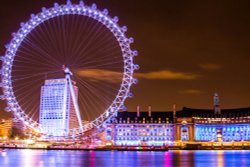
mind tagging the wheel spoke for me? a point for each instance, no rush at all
(81, 38)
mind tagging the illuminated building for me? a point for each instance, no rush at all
(57, 113)
(5, 128)
(206, 125)
(213, 125)
(141, 128)
(193, 125)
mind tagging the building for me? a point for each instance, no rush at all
(213, 124)
(5, 128)
(141, 128)
(206, 125)
(57, 113)
(187, 125)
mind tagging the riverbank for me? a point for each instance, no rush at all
(189, 147)
(78, 148)
(174, 146)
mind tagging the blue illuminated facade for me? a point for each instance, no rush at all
(186, 125)
(227, 132)
(141, 128)
(205, 125)
(144, 134)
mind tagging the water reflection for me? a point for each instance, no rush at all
(40, 158)
(220, 158)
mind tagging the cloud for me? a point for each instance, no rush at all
(191, 91)
(210, 66)
(114, 77)
(101, 75)
(167, 75)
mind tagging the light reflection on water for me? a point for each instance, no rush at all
(41, 158)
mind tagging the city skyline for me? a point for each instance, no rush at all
(186, 51)
(124, 83)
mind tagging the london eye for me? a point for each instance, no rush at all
(79, 43)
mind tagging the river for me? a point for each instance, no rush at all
(51, 158)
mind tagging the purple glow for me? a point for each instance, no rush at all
(80, 9)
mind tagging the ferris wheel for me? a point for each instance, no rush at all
(94, 52)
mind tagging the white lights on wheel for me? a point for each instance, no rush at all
(60, 10)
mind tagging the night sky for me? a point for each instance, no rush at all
(187, 49)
